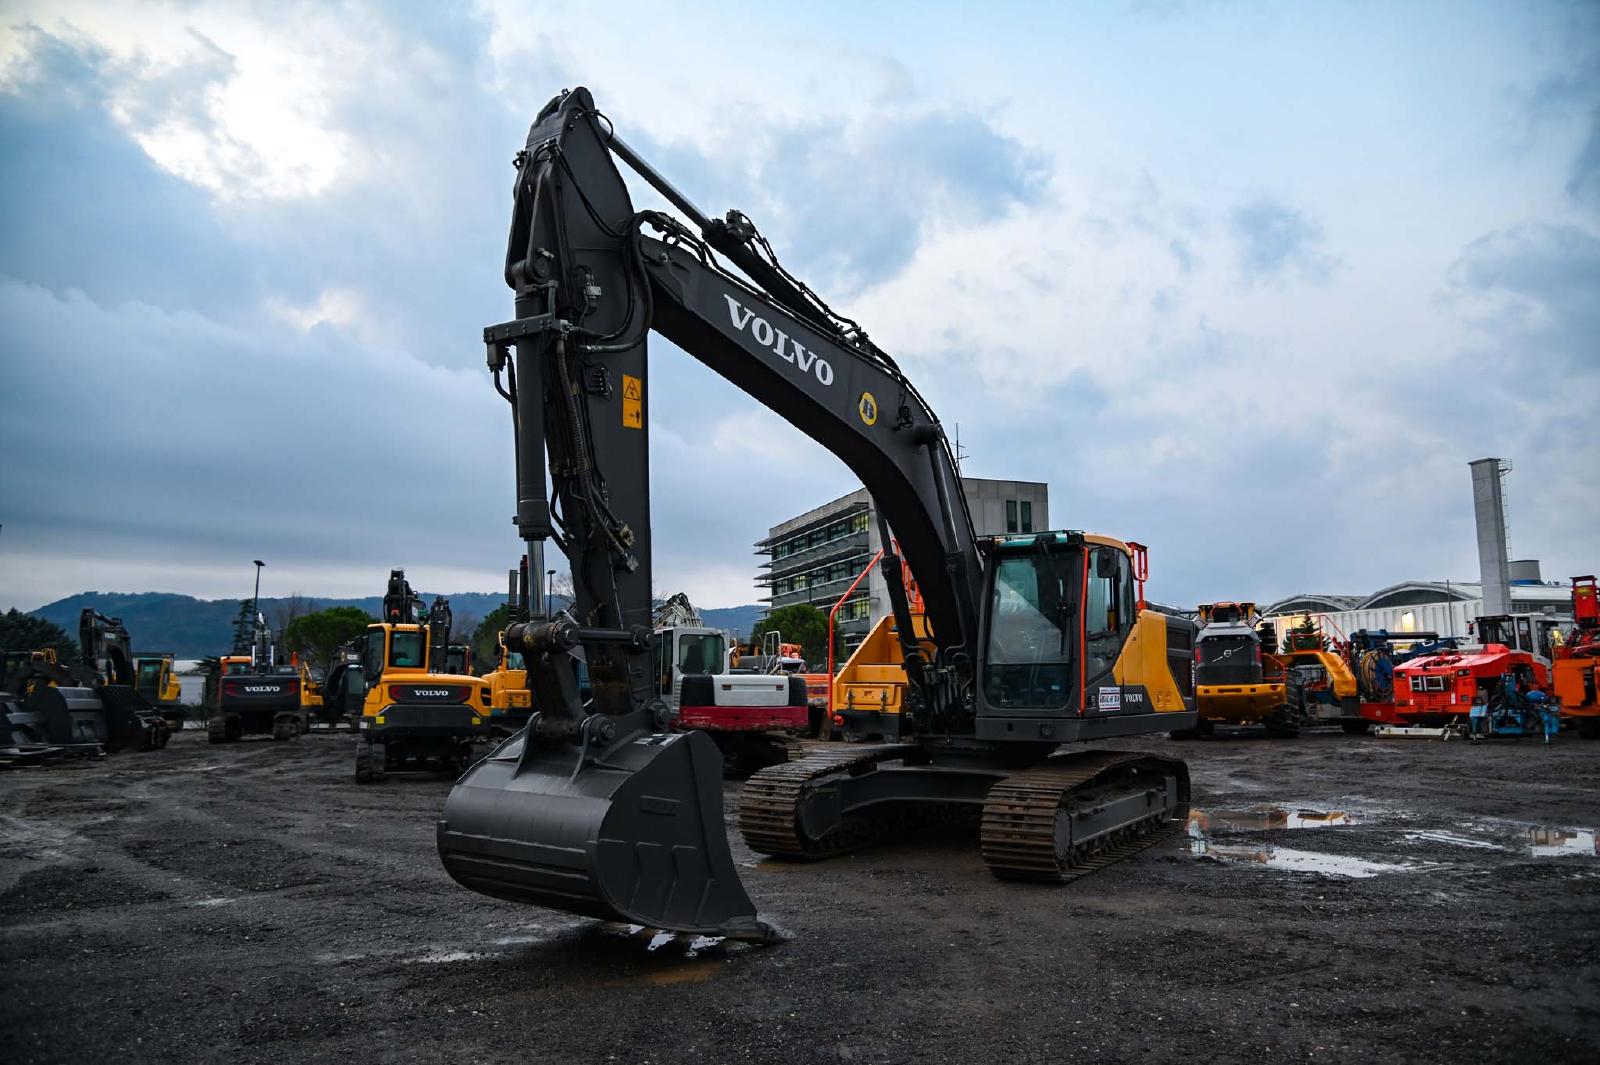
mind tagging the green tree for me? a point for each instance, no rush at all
(317, 636)
(24, 632)
(799, 623)
(244, 627)
(1305, 636)
(486, 638)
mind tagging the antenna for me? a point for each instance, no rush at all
(960, 452)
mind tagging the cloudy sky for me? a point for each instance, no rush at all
(1248, 283)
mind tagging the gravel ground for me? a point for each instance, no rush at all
(1336, 898)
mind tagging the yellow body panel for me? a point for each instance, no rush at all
(873, 678)
(1239, 704)
(169, 691)
(1144, 661)
(310, 690)
(508, 689)
(1340, 678)
(377, 698)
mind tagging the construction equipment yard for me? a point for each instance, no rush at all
(1335, 898)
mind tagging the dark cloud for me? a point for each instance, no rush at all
(1537, 283)
(86, 209)
(858, 204)
(169, 420)
(846, 205)
(1584, 184)
(1272, 239)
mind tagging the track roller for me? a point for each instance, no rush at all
(1079, 813)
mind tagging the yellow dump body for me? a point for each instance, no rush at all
(873, 681)
(1340, 678)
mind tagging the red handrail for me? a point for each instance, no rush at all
(861, 577)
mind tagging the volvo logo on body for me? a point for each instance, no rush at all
(260, 689)
(780, 343)
(431, 693)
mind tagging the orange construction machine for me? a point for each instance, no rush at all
(1575, 671)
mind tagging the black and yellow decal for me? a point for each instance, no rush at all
(868, 408)
(632, 402)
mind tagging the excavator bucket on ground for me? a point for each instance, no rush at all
(630, 832)
(112, 716)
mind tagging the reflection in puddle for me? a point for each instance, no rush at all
(1562, 843)
(1452, 839)
(1268, 818)
(1204, 823)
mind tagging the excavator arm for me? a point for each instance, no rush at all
(591, 284)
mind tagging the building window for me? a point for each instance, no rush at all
(858, 524)
(1027, 516)
(1011, 515)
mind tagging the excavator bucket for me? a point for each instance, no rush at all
(632, 833)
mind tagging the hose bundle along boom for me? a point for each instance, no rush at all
(1035, 641)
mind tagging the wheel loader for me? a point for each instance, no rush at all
(1233, 685)
(1036, 641)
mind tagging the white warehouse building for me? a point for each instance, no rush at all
(1443, 607)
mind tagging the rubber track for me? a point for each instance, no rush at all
(1019, 819)
(770, 802)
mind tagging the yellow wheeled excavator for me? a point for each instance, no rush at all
(415, 712)
(1035, 642)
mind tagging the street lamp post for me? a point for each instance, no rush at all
(255, 612)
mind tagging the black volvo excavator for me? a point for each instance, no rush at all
(1036, 640)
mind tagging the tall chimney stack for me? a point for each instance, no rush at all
(1489, 508)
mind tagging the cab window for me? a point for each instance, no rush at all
(406, 650)
(372, 656)
(700, 654)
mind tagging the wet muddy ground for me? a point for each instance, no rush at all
(1333, 898)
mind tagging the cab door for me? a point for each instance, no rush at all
(374, 651)
(1108, 614)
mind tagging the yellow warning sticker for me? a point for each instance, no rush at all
(632, 402)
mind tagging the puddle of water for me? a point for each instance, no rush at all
(1267, 818)
(446, 957)
(1331, 864)
(1294, 861)
(211, 902)
(1203, 823)
(1452, 839)
(1562, 843)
